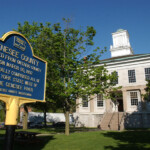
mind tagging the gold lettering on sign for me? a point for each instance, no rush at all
(1, 55)
(2, 62)
(10, 58)
(3, 90)
(9, 51)
(12, 91)
(1, 83)
(29, 60)
(19, 43)
(12, 66)
(12, 85)
(5, 77)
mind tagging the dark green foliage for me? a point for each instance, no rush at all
(2, 111)
(147, 89)
(2, 115)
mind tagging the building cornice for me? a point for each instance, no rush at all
(125, 58)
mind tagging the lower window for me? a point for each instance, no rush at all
(100, 102)
(84, 101)
(134, 98)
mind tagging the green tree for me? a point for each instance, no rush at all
(147, 90)
(2, 111)
(43, 40)
(74, 70)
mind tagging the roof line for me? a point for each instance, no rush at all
(124, 57)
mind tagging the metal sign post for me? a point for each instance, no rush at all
(12, 107)
(22, 79)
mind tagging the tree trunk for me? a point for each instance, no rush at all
(45, 118)
(25, 118)
(67, 123)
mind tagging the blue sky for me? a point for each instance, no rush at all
(106, 16)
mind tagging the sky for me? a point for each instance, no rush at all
(106, 16)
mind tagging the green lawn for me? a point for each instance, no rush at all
(95, 140)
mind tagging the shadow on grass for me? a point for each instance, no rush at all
(130, 140)
(2, 135)
(62, 129)
(38, 143)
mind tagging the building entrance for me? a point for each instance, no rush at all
(120, 106)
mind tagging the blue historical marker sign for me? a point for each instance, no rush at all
(21, 73)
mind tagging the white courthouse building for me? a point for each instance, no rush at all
(133, 70)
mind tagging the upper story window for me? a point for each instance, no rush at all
(131, 75)
(147, 73)
(85, 101)
(134, 98)
(100, 102)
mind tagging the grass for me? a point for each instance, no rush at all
(95, 140)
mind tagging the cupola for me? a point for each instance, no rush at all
(121, 45)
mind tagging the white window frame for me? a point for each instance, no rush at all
(138, 97)
(132, 76)
(99, 100)
(133, 108)
(134, 100)
(87, 102)
(147, 73)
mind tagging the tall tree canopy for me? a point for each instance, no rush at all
(72, 68)
(147, 90)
